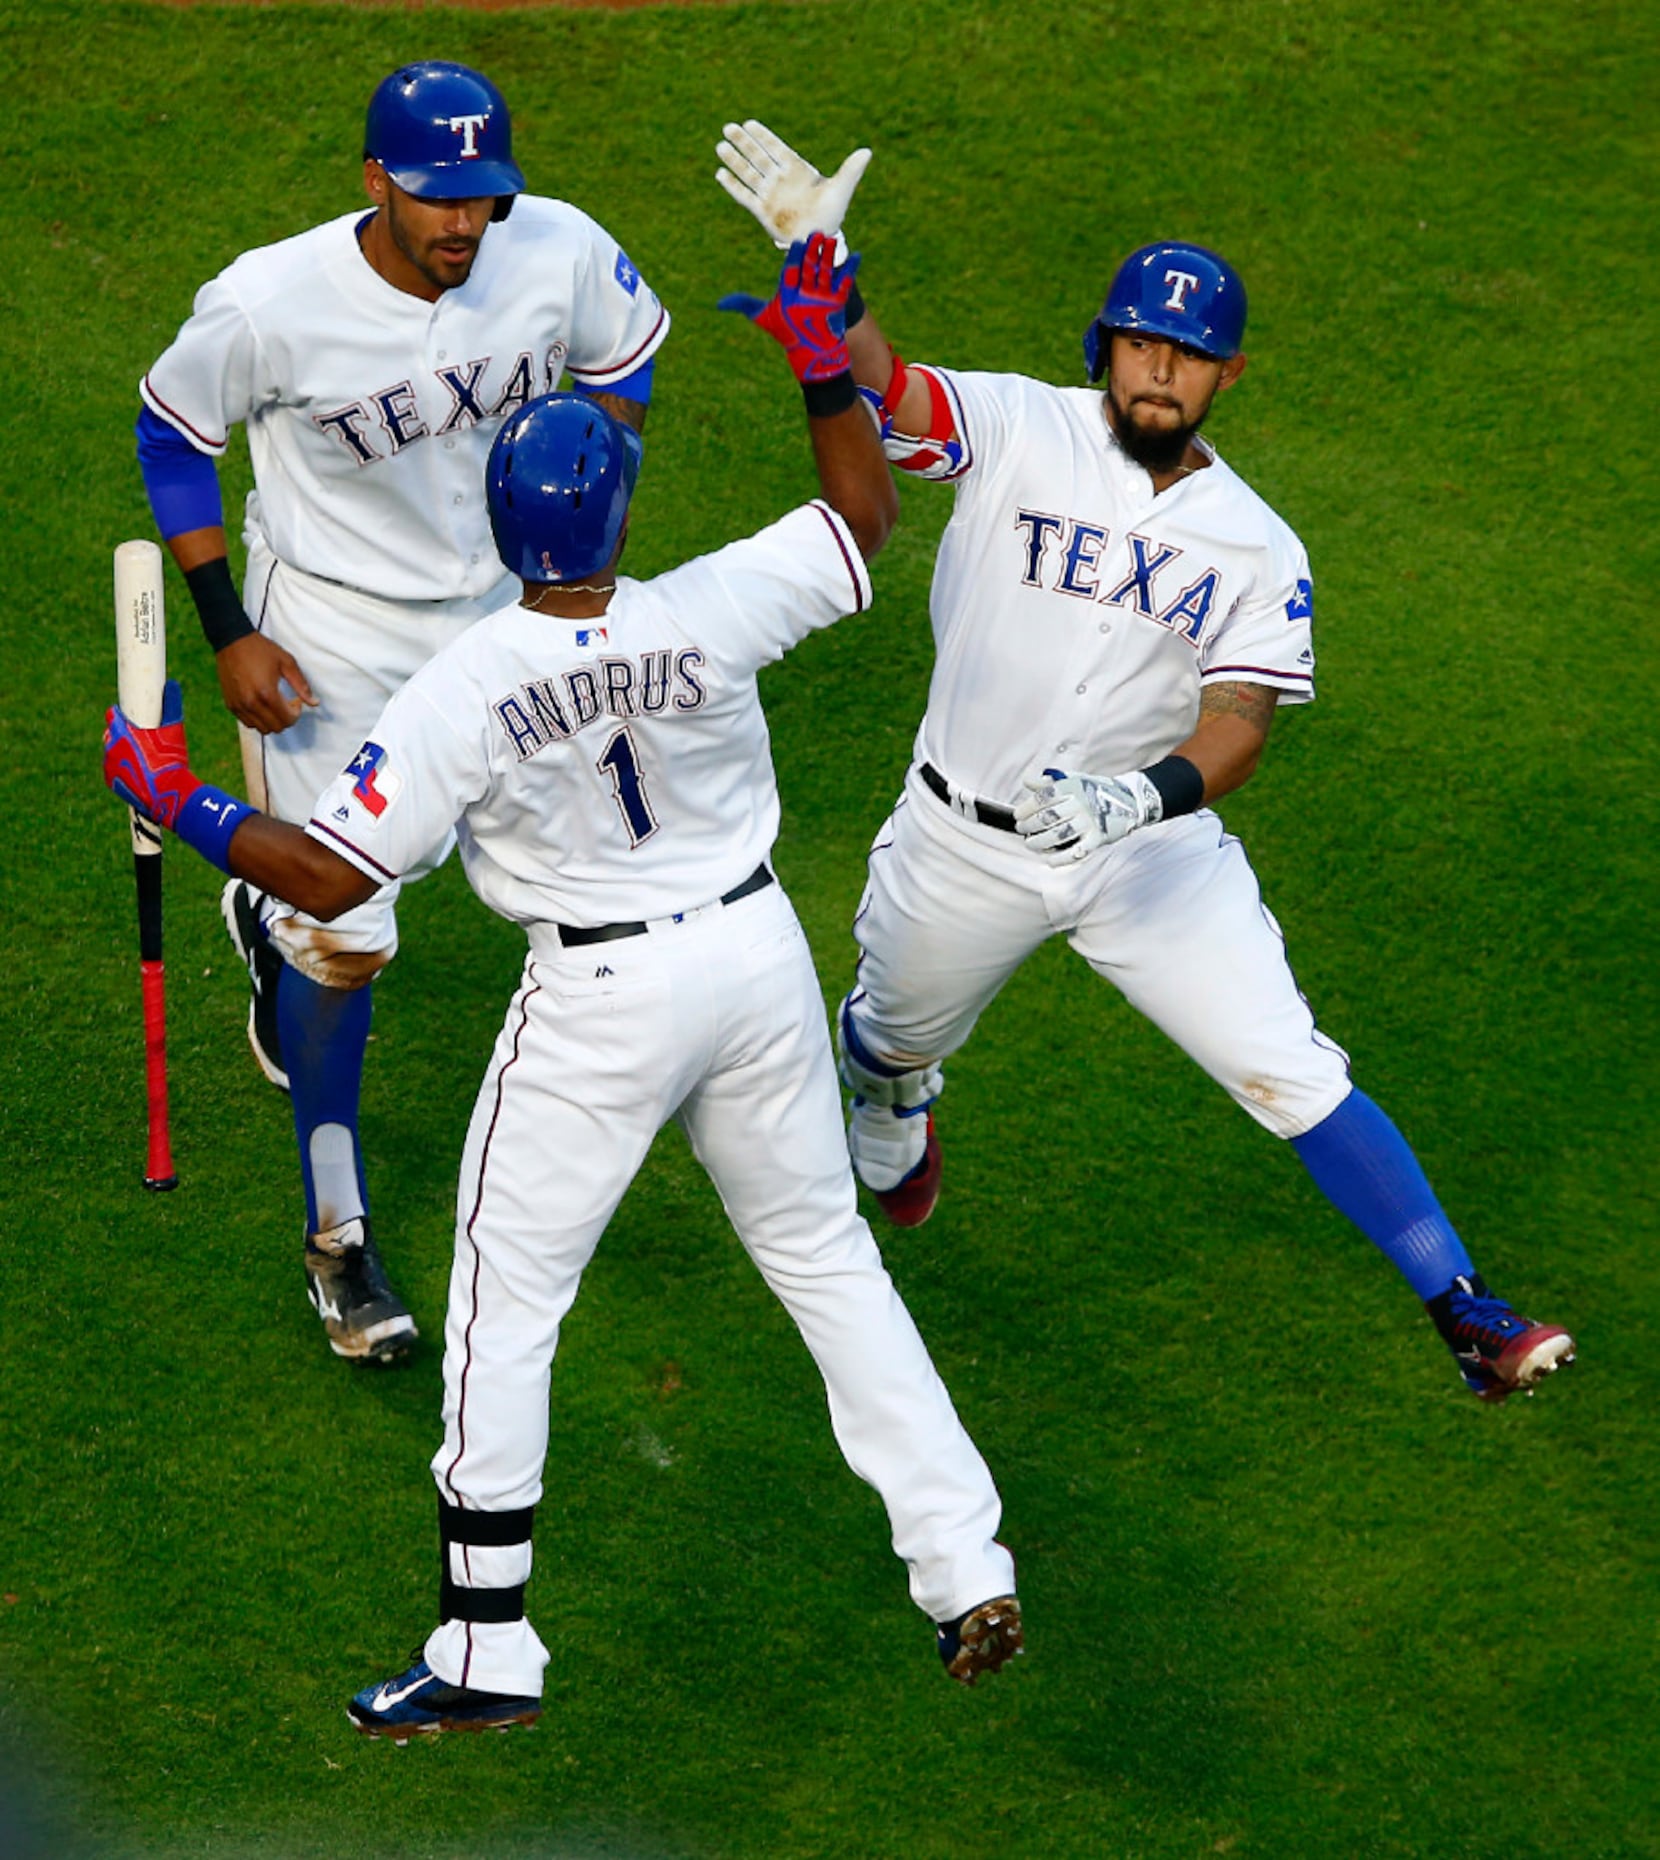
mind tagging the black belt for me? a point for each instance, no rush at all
(988, 813)
(573, 936)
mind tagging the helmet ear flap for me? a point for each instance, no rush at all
(1096, 341)
(503, 207)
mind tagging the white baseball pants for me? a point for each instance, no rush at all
(718, 1021)
(1172, 916)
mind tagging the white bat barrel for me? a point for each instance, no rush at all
(140, 651)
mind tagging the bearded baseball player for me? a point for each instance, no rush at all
(1116, 617)
(600, 750)
(372, 361)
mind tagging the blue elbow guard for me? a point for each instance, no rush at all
(182, 484)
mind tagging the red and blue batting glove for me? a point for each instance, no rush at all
(150, 770)
(807, 315)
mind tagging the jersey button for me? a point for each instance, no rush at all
(458, 497)
(1082, 689)
(1106, 626)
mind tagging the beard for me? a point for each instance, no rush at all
(442, 273)
(1153, 449)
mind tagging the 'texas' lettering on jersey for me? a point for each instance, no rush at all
(552, 710)
(386, 422)
(1077, 558)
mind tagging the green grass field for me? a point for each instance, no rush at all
(1290, 1592)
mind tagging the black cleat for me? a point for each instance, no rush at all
(239, 906)
(365, 1319)
(982, 1640)
(417, 1702)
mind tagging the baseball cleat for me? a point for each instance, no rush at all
(239, 906)
(910, 1202)
(982, 1640)
(417, 1702)
(365, 1319)
(1499, 1352)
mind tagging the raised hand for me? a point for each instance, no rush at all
(785, 192)
(807, 315)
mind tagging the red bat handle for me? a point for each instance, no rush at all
(158, 1169)
(159, 1174)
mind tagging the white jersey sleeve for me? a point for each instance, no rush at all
(1267, 637)
(616, 320)
(775, 587)
(395, 803)
(214, 374)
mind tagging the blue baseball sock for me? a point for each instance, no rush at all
(324, 1032)
(1362, 1165)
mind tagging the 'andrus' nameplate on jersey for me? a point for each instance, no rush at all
(552, 710)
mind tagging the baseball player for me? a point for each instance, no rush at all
(601, 749)
(372, 361)
(1116, 616)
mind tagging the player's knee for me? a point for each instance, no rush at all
(319, 958)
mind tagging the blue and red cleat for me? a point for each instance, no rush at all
(1499, 1352)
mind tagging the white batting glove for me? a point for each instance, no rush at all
(1065, 817)
(784, 191)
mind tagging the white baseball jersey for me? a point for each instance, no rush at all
(370, 412)
(606, 770)
(1076, 615)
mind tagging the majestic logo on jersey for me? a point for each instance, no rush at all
(552, 710)
(376, 787)
(626, 275)
(1301, 604)
(1077, 558)
(1180, 282)
(391, 419)
(467, 127)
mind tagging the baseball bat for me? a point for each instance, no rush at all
(141, 663)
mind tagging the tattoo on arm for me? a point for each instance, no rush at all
(1254, 704)
(620, 407)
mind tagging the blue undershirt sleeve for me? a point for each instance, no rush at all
(636, 386)
(182, 483)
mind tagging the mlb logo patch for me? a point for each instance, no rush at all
(376, 786)
(1301, 604)
(591, 636)
(626, 275)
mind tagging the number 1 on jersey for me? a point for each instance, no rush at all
(627, 790)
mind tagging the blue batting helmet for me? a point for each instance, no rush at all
(557, 486)
(442, 132)
(1180, 292)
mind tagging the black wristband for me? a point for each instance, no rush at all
(855, 307)
(833, 396)
(1181, 787)
(218, 606)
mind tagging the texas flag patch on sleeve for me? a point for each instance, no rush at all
(376, 785)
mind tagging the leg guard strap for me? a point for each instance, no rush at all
(458, 1604)
(493, 1529)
